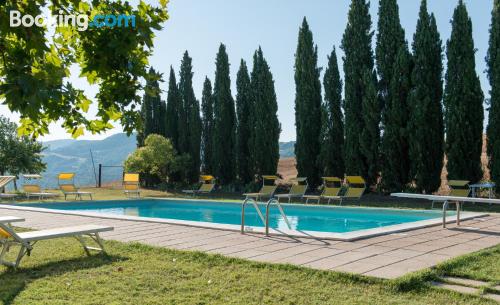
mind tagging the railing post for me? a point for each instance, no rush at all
(100, 175)
(243, 217)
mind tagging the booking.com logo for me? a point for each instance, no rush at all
(80, 21)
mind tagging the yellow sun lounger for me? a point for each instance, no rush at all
(458, 188)
(33, 189)
(331, 190)
(207, 185)
(267, 190)
(67, 186)
(131, 185)
(298, 189)
(356, 187)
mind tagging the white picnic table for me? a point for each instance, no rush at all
(446, 200)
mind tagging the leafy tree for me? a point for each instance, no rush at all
(153, 109)
(390, 38)
(35, 65)
(18, 154)
(174, 107)
(394, 147)
(224, 157)
(189, 120)
(244, 131)
(207, 109)
(463, 101)
(426, 125)
(332, 138)
(157, 159)
(307, 106)
(493, 64)
(361, 110)
(266, 130)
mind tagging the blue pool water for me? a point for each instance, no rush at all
(305, 218)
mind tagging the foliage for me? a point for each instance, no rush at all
(174, 106)
(360, 149)
(493, 69)
(332, 129)
(245, 127)
(207, 108)
(153, 109)
(390, 38)
(394, 147)
(35, 65)
(157, 159)
(463, 101)
(426, 136)
(18, 154)
(189, 121)
(266, 127)
(307, 106)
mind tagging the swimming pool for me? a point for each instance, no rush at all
(321, 221)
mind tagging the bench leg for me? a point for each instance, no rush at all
(25, 250)
(96, 238)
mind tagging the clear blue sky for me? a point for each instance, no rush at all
(200, 26)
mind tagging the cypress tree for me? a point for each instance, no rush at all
(332, 139)
(224, 156)
(189, 120)
(266, 131)
(244, 110)
(307, 106)
(493, 69)
(207, 108)
(390, 38)
(463, 101)
(394, 147)
(361, 125)
(426, 125)
(172, 110)
(153, 116)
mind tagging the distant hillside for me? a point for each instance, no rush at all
(74, 156)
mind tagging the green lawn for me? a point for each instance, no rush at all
(59, 273)
(482, 265)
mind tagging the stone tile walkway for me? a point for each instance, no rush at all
(387, 256)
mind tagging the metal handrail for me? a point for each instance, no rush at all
(265, 220)
(281, 212)
(254, 203)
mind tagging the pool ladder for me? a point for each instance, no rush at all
(265, 220)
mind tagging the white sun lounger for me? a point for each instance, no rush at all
(26, 240)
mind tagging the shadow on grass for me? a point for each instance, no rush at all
(13, 282)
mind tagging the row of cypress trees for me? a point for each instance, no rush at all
(396, 112)
(234, 142)
(390, 126)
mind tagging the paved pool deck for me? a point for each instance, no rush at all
(387, 256)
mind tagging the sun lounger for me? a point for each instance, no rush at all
(4, 180)
(26, 240)
(267, 190)
(33, 189)
(297, 190)
(356, 187)
(67, 186)
(331, 190)
(131, 185)
(207, 185)
(458, 188)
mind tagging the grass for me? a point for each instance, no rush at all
(59, 273)
(483, 265)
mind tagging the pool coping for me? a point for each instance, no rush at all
(347, 236)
